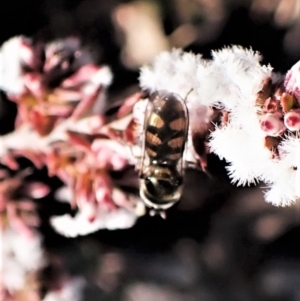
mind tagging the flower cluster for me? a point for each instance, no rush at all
(246, 113)
(278, 112)
(92, 167)
(262, 128)
(49, 81)
(61, 124)
(20, 239)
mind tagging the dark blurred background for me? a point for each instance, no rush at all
(221, 242)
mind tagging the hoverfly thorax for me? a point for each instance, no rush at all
(165, 132)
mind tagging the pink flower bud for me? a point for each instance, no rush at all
(81, 76)
(272, 124)
(33, 82)
(271, 105)
(37, 190)
(292, 120)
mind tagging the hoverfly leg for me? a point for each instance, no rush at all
(163, 214)
(152, 212)
(192, 165)
(208, 173)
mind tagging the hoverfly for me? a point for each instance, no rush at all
(165, 132)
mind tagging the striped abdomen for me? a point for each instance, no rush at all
(166, 128)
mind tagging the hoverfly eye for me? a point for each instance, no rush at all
(159, 188)
(151, 185)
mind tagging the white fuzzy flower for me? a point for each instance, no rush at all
(19, 255)
(241, 142)
(243, 76)
(242, 68)
(211, 85)
(243, 151)
(105, 219)
(242, 72)
(173, 71)
(11, 80)
(284, 176)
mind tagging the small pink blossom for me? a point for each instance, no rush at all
(37, 190)
(85, 163)
(272, 124)
(103, 187)
(64, 82)
(109, 153)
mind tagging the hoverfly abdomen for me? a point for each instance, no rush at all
(166, 128)
(165, 133)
